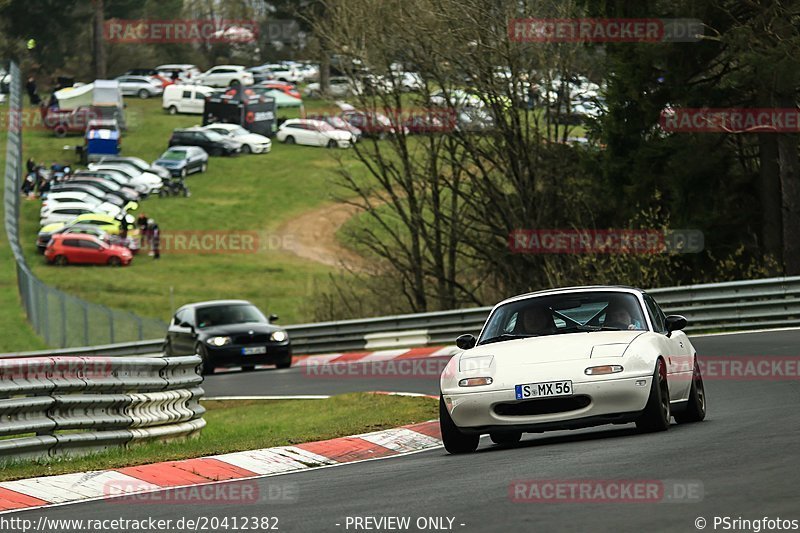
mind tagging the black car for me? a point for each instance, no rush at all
(210, 141)
(228, 333)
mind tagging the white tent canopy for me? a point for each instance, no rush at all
(99, 93)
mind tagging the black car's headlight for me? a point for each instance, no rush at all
(278, 336)
(219, 341)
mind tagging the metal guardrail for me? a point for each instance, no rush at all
(53, 406)
(737, 305)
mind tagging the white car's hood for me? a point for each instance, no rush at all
(561, 347)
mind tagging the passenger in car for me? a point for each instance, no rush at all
(535, 321)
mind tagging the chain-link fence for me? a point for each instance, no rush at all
(63, 320)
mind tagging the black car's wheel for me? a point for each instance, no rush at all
(248, 368)
(656, 414)
(455, 441)
(332, 144)
(289, 140)
(696, 408)
(284, 363)
(114, 261)
(246, 149)
(511, 437)
(173, 110)
(60, 131)
(143, 94)
(60, 260)
(205, 367)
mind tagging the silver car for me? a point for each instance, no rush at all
(141, 86)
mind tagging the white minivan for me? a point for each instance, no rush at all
(179, 98)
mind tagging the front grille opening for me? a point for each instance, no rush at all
(542, 406)
(258, 338)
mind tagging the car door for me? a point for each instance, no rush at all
(182, 337)
(72, 250)
(679, 354)
(92, 253)
(184, 103)
(198, 101)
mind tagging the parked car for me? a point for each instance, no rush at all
(371, 123)
(135, 162)
(190, 99)
(186, 71)
(141, 86)
(251, 142)
(183, 160)
(147, 181)
(150, 73)
(340, 124)
(339, 87)
(68, 186)
(225, 76)
(64, 212)
(64, 122)
(131, 243)
(228, 333)
(115, 176)
(105, 222)
(212, 142)
(106, 185)
(279, 72)
(313, 133)
(85, 249)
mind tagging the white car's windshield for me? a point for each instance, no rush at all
(564, 313)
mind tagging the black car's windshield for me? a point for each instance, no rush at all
(564, 313)
(174, 155)
(220, 315)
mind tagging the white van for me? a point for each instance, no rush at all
(181, 98)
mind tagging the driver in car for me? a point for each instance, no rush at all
(618, 316)
(536, 321)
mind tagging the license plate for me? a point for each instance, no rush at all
(547, 389)
(254, 350)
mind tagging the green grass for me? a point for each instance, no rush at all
(248, 193)
(236, 426)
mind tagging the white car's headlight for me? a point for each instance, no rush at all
(278, 336)
(603, 370)
(469, 364)
(219, 341)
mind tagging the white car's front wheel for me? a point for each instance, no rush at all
(454, 440)
(656, 415)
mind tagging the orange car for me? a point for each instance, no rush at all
(286, 88)
(72, 248)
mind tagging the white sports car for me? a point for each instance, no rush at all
(568, 359)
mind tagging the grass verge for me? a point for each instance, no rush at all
(248, 425)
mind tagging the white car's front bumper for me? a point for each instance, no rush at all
(592, 403)
(260, 148)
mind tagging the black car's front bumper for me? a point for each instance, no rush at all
(232, 354)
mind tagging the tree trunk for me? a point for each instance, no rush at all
(770, 196)
(790, 185)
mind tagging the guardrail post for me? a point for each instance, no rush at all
(63, 303)
(85, 308)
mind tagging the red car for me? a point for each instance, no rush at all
(64, 249)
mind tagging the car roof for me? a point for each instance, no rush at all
(227, 66)
(580, 288)
(213, 303)
(81, 236)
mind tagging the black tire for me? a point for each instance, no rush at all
(332, 144)
(173, 110)
(248, 368)
(246, 149)
(114, 261)
(656, 414)
(143, 94)
(61, 260)
(454, 441)
(509, 438)
(205, 366)
(284, 363)
(289, 140)
(696, 407)
(60, 131)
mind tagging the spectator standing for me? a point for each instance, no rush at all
(32, 90)
(141, 223)
(155, 237)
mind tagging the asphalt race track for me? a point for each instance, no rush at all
(744, 456)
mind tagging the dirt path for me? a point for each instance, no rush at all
(312, 236)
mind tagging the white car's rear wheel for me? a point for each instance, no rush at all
(455, 441)
(512, 437)
(696, 406)
(656, 414)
